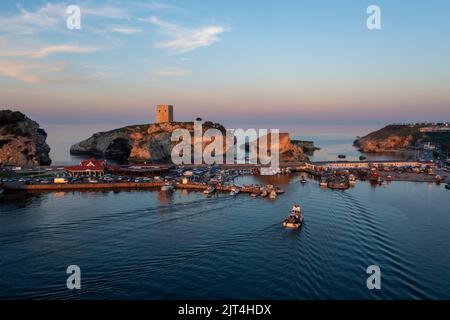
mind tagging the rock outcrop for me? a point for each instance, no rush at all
(152, 143)
(138, 143)
(22, 141)
(288, 150)
(389, 138)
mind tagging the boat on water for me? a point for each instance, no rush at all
(342, 156)
(234, 191)
(323, 182)
(338, 183)
(447, 186)
(295, 218)
(389, 177)
(438, 179)
(168, 187)
(352, 180)
(273, 194)
(362, 158)
(374, 176)
(264, 193)
(279, 190)
(210, 190)
(303, 180)
(253, 195)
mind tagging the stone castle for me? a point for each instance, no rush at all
(164, 113)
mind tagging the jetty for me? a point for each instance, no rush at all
(121, 185)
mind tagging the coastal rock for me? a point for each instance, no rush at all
(138, 143)
(22, 141)
(152, 143)
(389, 138)
(289, 150)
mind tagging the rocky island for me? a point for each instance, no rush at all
(137, 143)
(152, 143)
(22, 141)
(403, 136)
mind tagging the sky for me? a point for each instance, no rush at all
(265, 62)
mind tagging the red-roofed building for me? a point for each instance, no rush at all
(92, 167)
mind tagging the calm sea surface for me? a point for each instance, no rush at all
(147, 245)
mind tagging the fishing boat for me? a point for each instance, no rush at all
(279, 190)
(273, 194)
(168, 187)
(338, 183)
(351, 180)
(303, 180)
(209, 190)
(323, 182)
(234, 191)
(295, 218)
(374, 175)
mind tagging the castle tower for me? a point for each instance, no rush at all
(164, 113)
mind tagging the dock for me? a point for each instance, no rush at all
(118, 185)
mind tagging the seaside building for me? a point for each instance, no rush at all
(92, 167)
(164, 113)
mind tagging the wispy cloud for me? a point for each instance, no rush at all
(28, 72)
(186, 39)
(51, 16)
(171, 72)
(125, 30)
(12, 50)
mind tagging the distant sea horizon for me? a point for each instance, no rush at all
(332, 140)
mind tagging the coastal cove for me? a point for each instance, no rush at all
(124, 243)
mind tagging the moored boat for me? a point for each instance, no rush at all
(374, 176)
(209, 190)
(323, 182)
(167, 187)
(264, 193)
(352, 180)
(273, 194)
(438, 179)
(234, 191)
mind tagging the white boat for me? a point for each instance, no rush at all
(210, 190)
(167, 187)
(303, 180)
(323, 182)
(234, 191)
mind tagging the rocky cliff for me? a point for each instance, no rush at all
(389, 138)
(22, 141)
